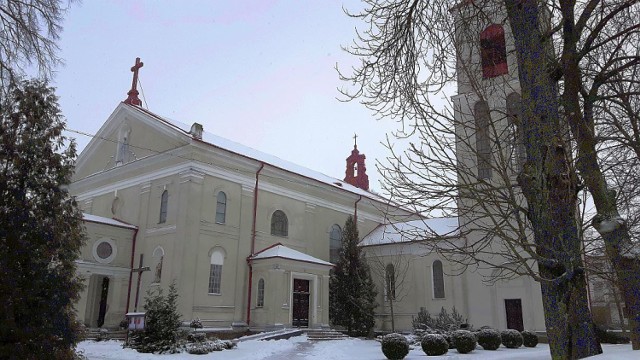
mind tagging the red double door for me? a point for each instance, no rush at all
(300, 303)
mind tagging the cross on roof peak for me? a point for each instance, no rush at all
(133, 99)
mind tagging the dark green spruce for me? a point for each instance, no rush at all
(352, 294)
(40, 227)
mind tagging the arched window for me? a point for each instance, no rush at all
(483, 143)
(438, 280)
(221, 208)
(390, 282)
(260, 301)
(493, 51)
(158, 258)
(335, 243)
(215, 271)
(514, 115)
(279, 224)
(164, 200)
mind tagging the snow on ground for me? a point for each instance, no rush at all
(353, 349)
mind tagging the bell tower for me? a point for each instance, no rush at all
(356, 173)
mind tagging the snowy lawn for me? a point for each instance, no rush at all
(352, 349)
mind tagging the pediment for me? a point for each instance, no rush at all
(146, 134)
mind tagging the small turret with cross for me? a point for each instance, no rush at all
(356, 173)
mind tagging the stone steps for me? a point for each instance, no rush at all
(93, 333)
(321, 335)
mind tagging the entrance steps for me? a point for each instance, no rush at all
(104, 334)
(324, 334)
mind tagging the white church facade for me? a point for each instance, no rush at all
(249, 239)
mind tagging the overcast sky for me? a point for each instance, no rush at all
(257, 72)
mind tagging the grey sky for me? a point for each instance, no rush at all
(257, 72)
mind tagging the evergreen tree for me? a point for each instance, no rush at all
(162, 322)
(352, 294)
(40, 227)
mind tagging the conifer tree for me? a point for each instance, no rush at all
(40, 227)
(352, 293)
(162, 322)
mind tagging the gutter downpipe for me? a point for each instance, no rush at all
(253, 243)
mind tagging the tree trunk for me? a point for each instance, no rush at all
(607, 222)
(549, 184)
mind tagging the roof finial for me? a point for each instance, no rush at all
(355, 140)
(133, 93)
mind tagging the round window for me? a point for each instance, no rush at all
(104, 250)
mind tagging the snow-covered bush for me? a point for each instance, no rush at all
(511, 338)
(434, 345)
(488, 338)
(449, 337)
(464, 341)
(196, 324)
(207, 346)
(443, 322)
(197, 337)
(529, 338)
(395, 346)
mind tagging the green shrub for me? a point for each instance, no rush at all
(196, 324)
(529, 338)
(489, 338)
(395, 346)
(443, 322)
(162, 322)
(511, 338)
(464, 340)
(434, 345)
(197, 337)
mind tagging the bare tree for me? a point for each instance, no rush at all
(595, 57)
(410, 52)
(30, 31)
(391, 264)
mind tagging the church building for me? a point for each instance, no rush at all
(250, 239)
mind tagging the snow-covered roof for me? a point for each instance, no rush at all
(272, 160)
(281, 251)
(415, 230)
(107, 221)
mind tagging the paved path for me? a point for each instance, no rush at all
(299, 352)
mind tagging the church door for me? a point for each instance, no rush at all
(300, 303)
(514, 314)
(103, 301)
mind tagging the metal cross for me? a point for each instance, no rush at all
(355, 139)
(139, 270)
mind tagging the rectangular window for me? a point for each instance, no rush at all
(215, 279)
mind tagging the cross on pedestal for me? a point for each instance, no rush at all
(139, 270)
(133, 93)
